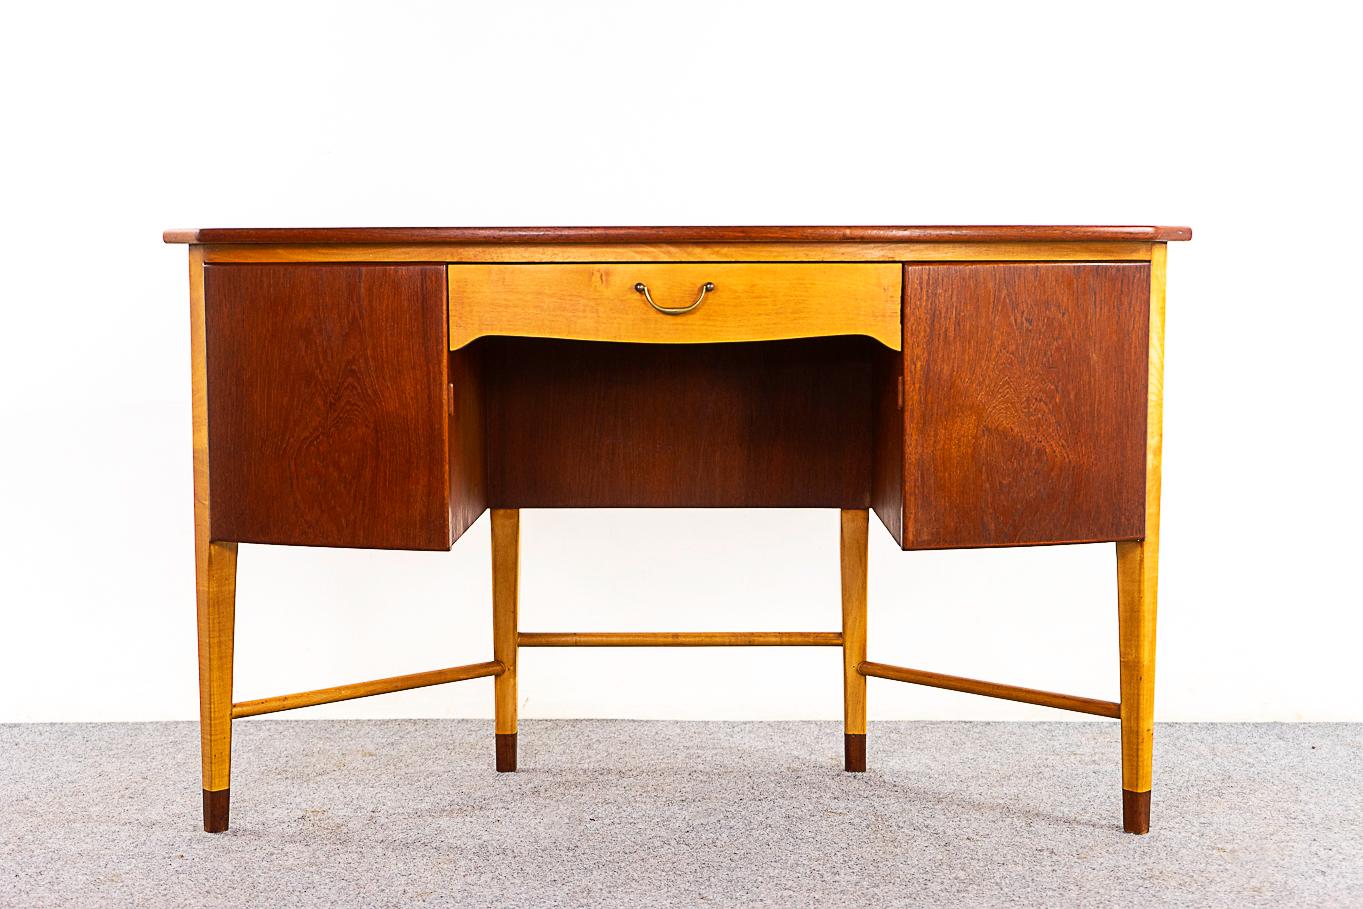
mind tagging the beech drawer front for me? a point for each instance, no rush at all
(1024, 403)
(748, 302)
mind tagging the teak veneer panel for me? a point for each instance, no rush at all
(327, 404)
(1024, 403)
(576, 424)
(748, 302)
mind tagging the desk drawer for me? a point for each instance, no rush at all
(741, 301)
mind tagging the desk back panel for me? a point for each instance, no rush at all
(327, 405)
(575, 424)
(1024, 403)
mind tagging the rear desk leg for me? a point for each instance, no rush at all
(506, 544)
(853, 552)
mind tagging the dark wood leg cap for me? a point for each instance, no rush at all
(1135, 811)
(506, 752)
(854, 752)
(215, 810)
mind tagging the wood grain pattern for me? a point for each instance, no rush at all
(680, 639)
(749, 302)
(1025, 403)
(1138, 587)
(468, 441)
(215, 583)
(506, 574)
(772, 234)
(1071, 702)
(852, 549)
(1083, 251)
(327, 390)
(887, 441)
(574, 424)
(355, 690)
(216, 594)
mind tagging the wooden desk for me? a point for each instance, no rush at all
(975, 386)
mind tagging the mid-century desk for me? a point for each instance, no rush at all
(382, 388)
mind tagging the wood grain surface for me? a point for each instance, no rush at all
(734, 251)
(680, 639)
(887, 441)
(748, 301)
(774, 234)
(215, 582)
(852, 556)
(1072, 702)
(506, 582)
(468, 441)
(1138, 588)
(365, 689)
(327, 398)
(1025, 403)
(575, 424)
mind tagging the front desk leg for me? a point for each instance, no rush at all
(216, 589)
(852, 547)
(1138, 584)
(215, 583)
(1137, 575)
(506, 544)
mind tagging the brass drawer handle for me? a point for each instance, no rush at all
(705, 288)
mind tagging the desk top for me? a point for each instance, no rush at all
(825, 234)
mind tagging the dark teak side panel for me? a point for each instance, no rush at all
(327, 405)
(887, 472)
(1025, 397)
(468, 440)
(772, 424)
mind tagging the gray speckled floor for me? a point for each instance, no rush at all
(638, 814)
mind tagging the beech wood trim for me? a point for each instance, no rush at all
(745, 301)
(1082, 251)
(215, 581)
(772, 234)
(1096, 707)
(506, 580)
(365, 689)
(681, 639)
(1138, 578)
(852, 551)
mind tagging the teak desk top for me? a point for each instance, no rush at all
(383, 387)
(823, 234)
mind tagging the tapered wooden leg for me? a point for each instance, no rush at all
(853, 557)
(215, 584)
(1138, 585)
(506, 544)
(216, 589)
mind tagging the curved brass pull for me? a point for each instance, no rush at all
(705, 288)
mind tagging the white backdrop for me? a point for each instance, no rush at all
(123, 120)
